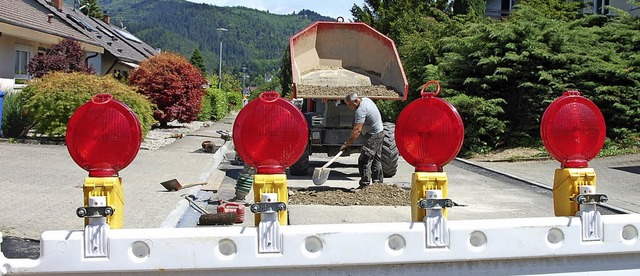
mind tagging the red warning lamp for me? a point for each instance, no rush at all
(270, 134)
(573, 130)
(429, 132)
(103, 136)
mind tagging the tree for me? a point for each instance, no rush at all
(91, 8)
(173, 84)
(502, 74)
(198, 61)
(231, 83)
(384, 15)
(478, 7)
(66, 56)
(532, 57)
(286, 81)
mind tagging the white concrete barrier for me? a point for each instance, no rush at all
(525, 246)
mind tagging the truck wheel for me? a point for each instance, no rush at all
(390, 152)
(301, 166)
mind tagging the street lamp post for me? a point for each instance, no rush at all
(220, 31)
(244, 76)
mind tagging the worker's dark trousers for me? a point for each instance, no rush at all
(369, 164)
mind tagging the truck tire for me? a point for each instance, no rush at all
(301, 167)
(390, 152)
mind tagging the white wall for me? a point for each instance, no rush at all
(95, 62)
(7, 56)
(8, 46)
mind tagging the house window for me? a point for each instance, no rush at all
(23, 56)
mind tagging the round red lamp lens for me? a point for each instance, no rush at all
(103, 136)
(270, 134)
(429, 133)
(573, 130)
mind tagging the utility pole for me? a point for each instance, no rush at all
(244, 76)
(220, 31)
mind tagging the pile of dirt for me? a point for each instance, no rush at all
(374, 195)
(512, 155)
(391, 194)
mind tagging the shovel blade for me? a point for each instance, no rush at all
(320, 175)
(171, 185)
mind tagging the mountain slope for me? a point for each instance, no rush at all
(255, 39)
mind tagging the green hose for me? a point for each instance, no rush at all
(244, 182)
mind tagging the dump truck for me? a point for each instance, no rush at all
(331, 59)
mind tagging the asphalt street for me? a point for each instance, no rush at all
(42, 185)
(616, 176)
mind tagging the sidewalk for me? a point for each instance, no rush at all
(616, 176)
(42, 185)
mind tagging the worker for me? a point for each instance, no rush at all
(368, 123)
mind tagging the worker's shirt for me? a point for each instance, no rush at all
(369, 115)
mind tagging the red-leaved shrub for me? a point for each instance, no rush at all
(173, 84)
(66, 56)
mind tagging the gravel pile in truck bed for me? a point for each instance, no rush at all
(373, 91)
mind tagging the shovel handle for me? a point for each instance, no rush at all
(195, 206)
(194, 184)
(332, 159)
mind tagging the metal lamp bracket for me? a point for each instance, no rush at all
(96, 232)
(269, 235)
(590, 217)
(435, 222)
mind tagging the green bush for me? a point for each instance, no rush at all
(234, 99)
(51, 100)
(15, 120)
(389, 110)
(217, 103)
(206, 110)
(483, 131)
(214, 105)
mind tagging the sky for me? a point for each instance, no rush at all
(331, 8)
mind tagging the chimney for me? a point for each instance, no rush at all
(57, 4)
(49, 17)
(107, 18)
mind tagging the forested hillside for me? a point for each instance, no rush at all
(255, 39)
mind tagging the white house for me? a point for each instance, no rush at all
(30, 27)
(502, 8)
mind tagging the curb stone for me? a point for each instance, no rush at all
(182, 211)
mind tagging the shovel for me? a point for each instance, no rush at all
(320, 175)
(174, 185)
